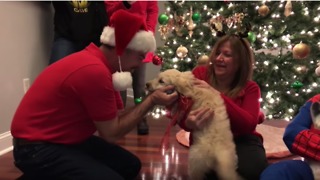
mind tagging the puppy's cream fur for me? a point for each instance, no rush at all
(213, 148)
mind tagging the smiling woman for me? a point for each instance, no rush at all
(230, 72)
(232, 59)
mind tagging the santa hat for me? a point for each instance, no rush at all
(128, 30)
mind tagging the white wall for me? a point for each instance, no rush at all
(25, 43)
(25, 40)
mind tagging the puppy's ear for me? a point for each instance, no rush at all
(315, 114)
(184, 85)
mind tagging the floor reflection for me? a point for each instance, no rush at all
(158, 163)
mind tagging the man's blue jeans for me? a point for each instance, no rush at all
(63, 47)
(93, 159)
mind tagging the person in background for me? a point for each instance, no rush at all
(149, 10)
(230, 72)
(76, 25)
(302, 138)
(54, 125)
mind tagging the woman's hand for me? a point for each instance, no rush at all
(197, 119)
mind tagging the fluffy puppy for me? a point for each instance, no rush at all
(213, 148)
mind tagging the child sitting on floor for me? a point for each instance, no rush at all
(302, 137)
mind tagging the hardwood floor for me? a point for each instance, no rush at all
(168, 165)
(157, 165)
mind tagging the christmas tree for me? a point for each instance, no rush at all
(283, 34)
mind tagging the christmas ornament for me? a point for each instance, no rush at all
(203, 60)
(163, 29)
(191, 27)
(252, 37)
(300, 51)
(182, 51)
(263, 10)
(297, 85)
(157, 60)
(301, 69)
(317, 71)
(218, 26)
(138, 100)
(196, 17)
(163, 19)
(288, 8)
(179, 23)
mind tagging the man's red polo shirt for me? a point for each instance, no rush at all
(66, 98)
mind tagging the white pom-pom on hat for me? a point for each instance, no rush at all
(121, 80)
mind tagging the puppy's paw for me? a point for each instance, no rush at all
(315, 114)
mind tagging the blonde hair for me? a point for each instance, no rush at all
(243, 59)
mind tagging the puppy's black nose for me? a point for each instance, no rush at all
(148, 85)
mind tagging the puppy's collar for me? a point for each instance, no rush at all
(183, 109)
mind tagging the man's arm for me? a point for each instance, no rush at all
(111, 130)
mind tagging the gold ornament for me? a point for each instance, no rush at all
(263, 10)
(191, 25)
(182, 51)
(302, 69)
(219, 26)
(163, 29)
(203, 60)
(288, 8)
(300, 51)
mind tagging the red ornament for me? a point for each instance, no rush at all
(226, 1)
(156, 60)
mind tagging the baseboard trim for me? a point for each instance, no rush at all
(5, 142)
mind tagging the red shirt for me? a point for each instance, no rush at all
(243, 111)
(147, 9)
(66, 98)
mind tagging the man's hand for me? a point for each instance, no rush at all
(198, 118)
(162, 97)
